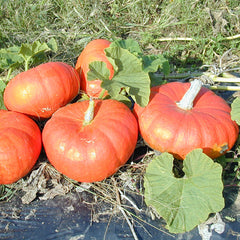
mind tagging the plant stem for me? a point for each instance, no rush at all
(175, 39)
(175, 76)
(102, 94)
(226, 77)
(26, 64)
(194, 39)
(225, 88)
(232, 37)
(9, 74)
(186, 102)
(88, 117)
(229, 75)
(227, 80)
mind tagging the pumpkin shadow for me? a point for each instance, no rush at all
(189, 61)
(229, 177)
(230, 195)
(231, 190)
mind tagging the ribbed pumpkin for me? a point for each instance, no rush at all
(20, 145)
(167, 127)
(94, 51)
(40, 91)
(90, 150)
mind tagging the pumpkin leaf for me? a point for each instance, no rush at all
(35, 52)
(52, 44)
(156, 79)
(235, 111)
(132, 71)
(184, 202)
(30, 51)
(14, 57)
(9, 57)
(98, 70)
(124, 99)
(128, 75)
(152, 63)
(131, 45)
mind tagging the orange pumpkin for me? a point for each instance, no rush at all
(168, 128)
(20, 145)
(40, 91)
(90, 150)
(94, 51)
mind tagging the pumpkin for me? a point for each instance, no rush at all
(166, 126)
(40, 91)
(94, 51)
(20, 145)
(89, 141)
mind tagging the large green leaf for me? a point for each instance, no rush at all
(98, 70)
(133, 71)
(128, 75)
(131, 45)
(152, 63)
(184, 202)
(235, 112)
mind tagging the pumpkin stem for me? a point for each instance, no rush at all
(88, 117)
(186, 102)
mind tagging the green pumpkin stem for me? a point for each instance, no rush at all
(88, 117)
(186, 102)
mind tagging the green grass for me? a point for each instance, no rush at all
(74, 23)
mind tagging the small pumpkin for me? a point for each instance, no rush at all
(88, 141)
(40, 91)
(94, 51)
(168, 126)
(20, 145)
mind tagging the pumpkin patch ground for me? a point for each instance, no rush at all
(120, 120)
(53, 207)
(93, 210)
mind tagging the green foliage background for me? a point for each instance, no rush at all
(205, 26)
